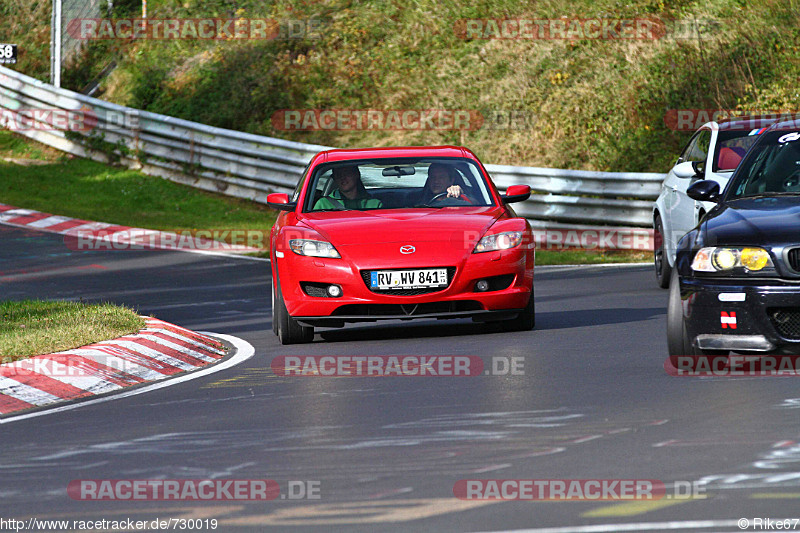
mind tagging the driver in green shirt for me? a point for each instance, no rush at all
(350, 192)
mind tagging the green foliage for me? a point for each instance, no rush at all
(596, 104)
(96, 142)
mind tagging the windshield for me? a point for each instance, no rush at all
(771, 168)
(399, 183)
(732, 145)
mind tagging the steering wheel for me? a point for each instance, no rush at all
(444, 200)
(436, 197)
(792, 182)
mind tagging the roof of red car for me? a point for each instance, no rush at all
(396, 151)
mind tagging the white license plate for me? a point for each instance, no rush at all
(409, 279)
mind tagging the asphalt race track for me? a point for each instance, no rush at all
(594, 403)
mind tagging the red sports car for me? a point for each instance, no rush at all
(398, 233)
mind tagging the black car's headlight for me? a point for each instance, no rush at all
(498, 241)
(313, 248)
(728, 259)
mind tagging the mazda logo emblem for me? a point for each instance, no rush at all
(407, 249)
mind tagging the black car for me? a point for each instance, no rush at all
(736, 285)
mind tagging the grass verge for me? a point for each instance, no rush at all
(89, 190)
(35, 327)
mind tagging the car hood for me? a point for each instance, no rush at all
(764, 220)
(403, 226)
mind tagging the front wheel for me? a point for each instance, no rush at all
(289, 330)
(525, 321)
(663, 270)
(274, 289)
(678, 342)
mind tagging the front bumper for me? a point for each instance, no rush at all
(739, 315)
(358, 303)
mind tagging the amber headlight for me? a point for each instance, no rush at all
(713, 259)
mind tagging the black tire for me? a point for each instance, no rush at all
(525, 321)
(273, 289)
(663, 270)
(289, 331)
(678, 342)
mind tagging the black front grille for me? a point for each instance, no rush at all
(793, 256)
(378, 310)
(366, 275)
(787, 321)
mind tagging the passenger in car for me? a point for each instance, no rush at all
(350, 192)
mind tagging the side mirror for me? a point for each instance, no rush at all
(689, 169)
(516, 193)
(280, 200)
(704, 191)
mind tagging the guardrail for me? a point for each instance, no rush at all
(251, 166)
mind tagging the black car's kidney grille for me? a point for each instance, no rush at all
(366, 275)
(793, 256)
(787, 321)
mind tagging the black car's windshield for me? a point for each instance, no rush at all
(772, 168)
(397, 184)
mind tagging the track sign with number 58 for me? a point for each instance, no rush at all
(8, 54)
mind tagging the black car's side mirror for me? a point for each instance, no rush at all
(704, 191)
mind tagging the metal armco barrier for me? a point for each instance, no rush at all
(251, 166)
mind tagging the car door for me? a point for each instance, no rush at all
(680, 210)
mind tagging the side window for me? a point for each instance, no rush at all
(699, 151)
(687, 149)
(322, 187)
(296, 193)
(697, 148)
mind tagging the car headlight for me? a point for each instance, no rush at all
(713, 259)
(313, 248)
(498, 241)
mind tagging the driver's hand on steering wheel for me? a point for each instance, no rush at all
(453, 191)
